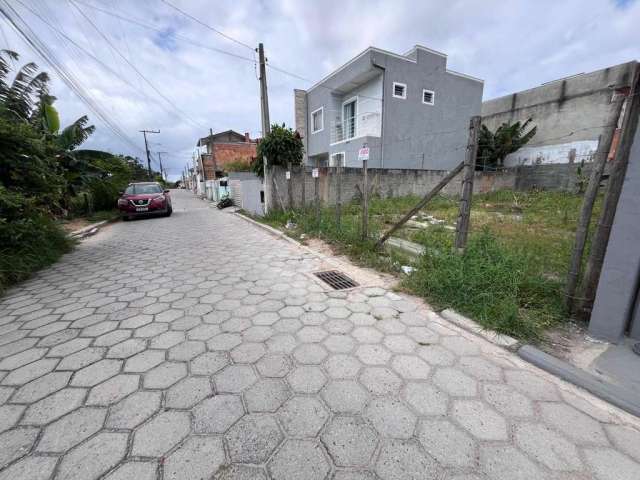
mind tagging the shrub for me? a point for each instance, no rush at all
(497, 287)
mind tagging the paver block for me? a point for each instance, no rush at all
(448, 444)
(82, 358)
(533, 386)
(235, 378)
(460, 345)
(224, 341)
(253, 439)
(96, 373)
(41, 387)
(161, 434)
(404, 460)
(505, 461)
(16, 443)
(167, 340)
(135, 471)
(507, 400)
(266, 395)
(197, 457)
(576, 425)
(626, 439)
(609, 464)
(29, 372)
(241, 472)
(144, 361)
(345, 396)
(53, 406)
(274, 365)
(209, 363)
(310, 354)
(547, 447)
(481, 421)
(481, 368)
(342, 366)
(30, 468)
(411, 367)
(390, 417)
(350, 441)
(373, 354)
(71, 429)
(9, 415)
(303, 416)
(217, 414)
(188, 392)
(299, 459)
(307, 379)
(185, 351)
(94, 458)
(426, 399)
(380, 381)
(165, 375)
(113, 390)
(133, 410)
(248, 352)
(127, 349)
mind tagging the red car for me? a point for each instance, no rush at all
(143, 199)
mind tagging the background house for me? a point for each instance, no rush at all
(225, 148)
(410, 110)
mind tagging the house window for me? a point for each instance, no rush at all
(399, 90)
(337, 159)
(428, 97)
(317, 120)
(349, 118)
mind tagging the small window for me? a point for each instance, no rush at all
(317, 120)
(428, 97)
(399, 90)
(337, 159)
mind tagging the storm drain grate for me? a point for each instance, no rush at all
(335, 279)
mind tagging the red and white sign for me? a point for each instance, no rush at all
(363, 153)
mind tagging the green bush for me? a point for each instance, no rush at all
(501, 289)
(29, 238)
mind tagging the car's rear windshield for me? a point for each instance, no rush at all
(142, 189)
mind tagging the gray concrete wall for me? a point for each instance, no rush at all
(413, 135)
(570, 114)
(617, 292)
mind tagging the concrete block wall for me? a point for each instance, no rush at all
(388, 183)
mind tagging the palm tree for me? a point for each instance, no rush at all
(17, 97)
(495, 146)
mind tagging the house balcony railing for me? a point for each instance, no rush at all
(366, 125)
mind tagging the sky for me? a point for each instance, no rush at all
(147, 65)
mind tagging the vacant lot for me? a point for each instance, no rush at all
(511, 277)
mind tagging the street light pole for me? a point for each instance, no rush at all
(266, 125)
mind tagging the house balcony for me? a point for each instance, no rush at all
(367, 124)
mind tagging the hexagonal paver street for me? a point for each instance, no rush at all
(213, 353)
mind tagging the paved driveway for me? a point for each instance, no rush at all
(199, 345)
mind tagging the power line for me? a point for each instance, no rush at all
(135, 69)
(197, 20)
(140, 23)
(67, 77)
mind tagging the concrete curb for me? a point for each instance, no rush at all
(621, 397)
(89, 229)
(469, 325)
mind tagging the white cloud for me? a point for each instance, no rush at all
(511, 45)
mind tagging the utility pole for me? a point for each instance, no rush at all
(146, 149)
(266, 125)
(162, 172)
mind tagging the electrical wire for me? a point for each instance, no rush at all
(197, 20)
(41, 49)
(135, 69)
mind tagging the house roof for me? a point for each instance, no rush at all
(408, 56)
(222, 137)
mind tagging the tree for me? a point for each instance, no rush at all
(493, 147)
(281, 146)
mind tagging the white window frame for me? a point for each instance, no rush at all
(344, 158)
(404, 90)
(433, 96)
(321, 109)
(355, 118)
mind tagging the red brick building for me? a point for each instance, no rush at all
(224, 148)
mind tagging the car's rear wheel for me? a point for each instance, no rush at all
(169, 211)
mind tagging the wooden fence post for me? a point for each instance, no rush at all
(462, 226)
(338, 194)
(582, 229)
(432, 193)
(611, 197)
(365, 201)
(289, 175)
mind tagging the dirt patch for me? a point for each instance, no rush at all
(70, 226)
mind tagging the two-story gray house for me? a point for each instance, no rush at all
(410, 110)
